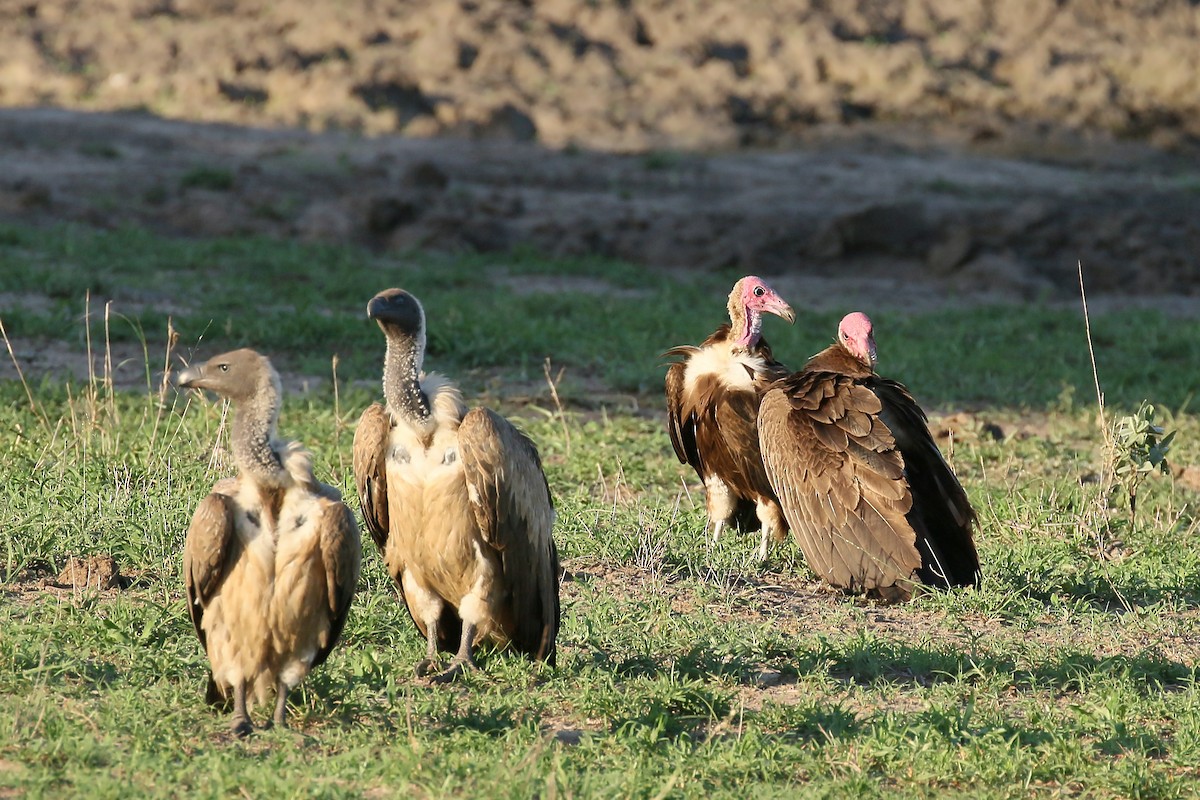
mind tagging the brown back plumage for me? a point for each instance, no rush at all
(872, 502)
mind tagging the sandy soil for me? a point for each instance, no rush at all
(619, 74)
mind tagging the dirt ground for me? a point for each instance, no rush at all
(933, 150)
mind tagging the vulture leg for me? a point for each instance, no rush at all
(762, 545)
(462, 661)
(773, 526)
(719, 503)
(241, 725)
(430, 663)
(281, 692)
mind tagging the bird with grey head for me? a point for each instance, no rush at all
(272, 556)
(458, 505)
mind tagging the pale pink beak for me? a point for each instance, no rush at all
(775, 305)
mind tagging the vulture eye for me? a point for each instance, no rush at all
(224, 368)
(759, 291)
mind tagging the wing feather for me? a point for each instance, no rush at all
(513, 508)
(840, 483)
(681, 426)
(206, 552)
(941, 513)
(341, 553)
(370, 471)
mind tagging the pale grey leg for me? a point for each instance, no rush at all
(281, 693)
(430, 663)
(240, 725)
(462, 661)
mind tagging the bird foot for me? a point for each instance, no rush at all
(457, 668)
(275, 723)
(242, 727)
(426, 666)
(762, 551)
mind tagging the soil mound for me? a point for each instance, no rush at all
(618, 75)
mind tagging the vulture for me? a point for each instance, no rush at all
(872, 503)
(272, 556)
(713, 393)
(457, 504)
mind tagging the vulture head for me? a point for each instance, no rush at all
(750, 298)
(238, 375)
(856, 334)
(400, 316)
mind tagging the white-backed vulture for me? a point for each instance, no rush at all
(272, 556)
(458, 505)
(870, 499)
(713, 394)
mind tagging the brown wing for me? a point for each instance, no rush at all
(840, 480)
(511, 502)
(370, 473)
(341, 553)
(206, 551)
(715, 428)
(941, 514)
(729, 433)
(680, 425)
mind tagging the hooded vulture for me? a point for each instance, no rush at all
(713, 393)
(458, 505)
(866, 491)
(272, 556)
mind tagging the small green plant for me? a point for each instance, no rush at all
(662, 160)
(99, 150)
(211, 178)
(1139, 448)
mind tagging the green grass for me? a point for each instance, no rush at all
(685, 670)
(302, 303)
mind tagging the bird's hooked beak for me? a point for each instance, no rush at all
(776, 306)
(191, 378)
(378, 306)
(398, 309)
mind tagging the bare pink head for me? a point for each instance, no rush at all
(750, 299)
(857, 335)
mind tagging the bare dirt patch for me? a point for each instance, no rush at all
(93, 572)
(622, 76)
(915, 228)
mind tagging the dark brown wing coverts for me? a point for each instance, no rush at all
(872, 502)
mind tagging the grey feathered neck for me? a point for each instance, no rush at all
(402, 378)
(254, 428)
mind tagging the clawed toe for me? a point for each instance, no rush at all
(456, 669)
(242, 727)
(427, 666)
